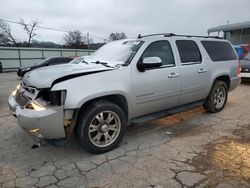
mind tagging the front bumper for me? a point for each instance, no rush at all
(47, 123)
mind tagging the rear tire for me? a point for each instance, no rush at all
(217, 97)
(101, 126)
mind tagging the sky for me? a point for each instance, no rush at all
(102, 17)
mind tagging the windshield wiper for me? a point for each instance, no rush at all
(103, 63)
(83, 61)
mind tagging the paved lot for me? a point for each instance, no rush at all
(190, 149)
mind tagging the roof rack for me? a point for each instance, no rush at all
(200, 36)
(156, 34)
(172, 34)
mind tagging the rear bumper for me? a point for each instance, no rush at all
(245, 75)
(47, 123)
(234, 83)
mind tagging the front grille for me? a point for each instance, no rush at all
(21, 99)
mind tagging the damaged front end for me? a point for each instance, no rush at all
(41, 112)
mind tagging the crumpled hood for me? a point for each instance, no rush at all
(44, 77)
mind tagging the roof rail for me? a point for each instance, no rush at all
(200, 36)
(172, 34)
(156, 34)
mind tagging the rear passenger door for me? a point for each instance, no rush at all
(194, 72)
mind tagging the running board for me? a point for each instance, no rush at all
(165, 113)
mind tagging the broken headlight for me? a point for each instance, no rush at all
(54, 98)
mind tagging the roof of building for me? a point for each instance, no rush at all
(230, 27)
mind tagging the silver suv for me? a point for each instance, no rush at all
(124, 82)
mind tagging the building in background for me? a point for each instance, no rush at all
(237, 33)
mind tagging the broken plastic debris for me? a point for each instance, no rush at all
(169, 133)
(34, 146)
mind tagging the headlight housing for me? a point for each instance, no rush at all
(48, 98)
(25, 69)
(57, 98)
(54, 98)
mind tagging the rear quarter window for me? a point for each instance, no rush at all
(219, 50)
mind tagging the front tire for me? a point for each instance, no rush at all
(217, 97)
(101, 126)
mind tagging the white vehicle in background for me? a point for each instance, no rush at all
(131, 80)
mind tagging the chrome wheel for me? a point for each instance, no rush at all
(104, 128)
(219, 97)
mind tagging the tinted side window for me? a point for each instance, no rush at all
(55, 61)
(66, 60)
(161, 49)
(219, 50)
(189, 51)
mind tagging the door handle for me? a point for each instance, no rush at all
(202, 70)
(173, 75)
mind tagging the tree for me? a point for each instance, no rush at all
(6, 36)
(4, 40)
(74, 39)
(117, 36)
(45, 44)
(29, 29)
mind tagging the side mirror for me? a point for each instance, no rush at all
(149, 62)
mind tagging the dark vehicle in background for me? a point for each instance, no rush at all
(46, 62)
(245, 66)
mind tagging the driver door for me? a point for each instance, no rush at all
(157, 89)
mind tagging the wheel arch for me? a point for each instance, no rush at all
(224, 78)
(209, 103)
(117, 99)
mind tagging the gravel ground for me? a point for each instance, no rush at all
(189, 149)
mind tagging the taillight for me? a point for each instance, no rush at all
(239, 68)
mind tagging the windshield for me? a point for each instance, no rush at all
(77, 60)
(43, 61)
(117, 52)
